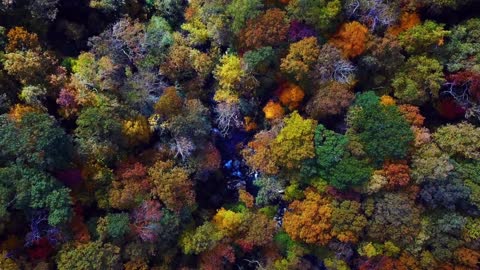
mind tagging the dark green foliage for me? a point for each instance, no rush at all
(29, 189)
(117, 225)
(382, 130)
(36, 140)
(329, 147)
(349, 172)
(259, 59)
(170, 9)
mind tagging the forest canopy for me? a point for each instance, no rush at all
(240, 134)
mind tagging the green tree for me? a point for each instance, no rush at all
(419, 80)
(242, 10)
(382, 130)
(461, 140)
(99, 131)
(89, 256)
(117, 225)
(36, 140)
(423, 37)
(28, 189)
(463, 47)
(330, 147)
(321, 14)
(158, 39)
(349, 172)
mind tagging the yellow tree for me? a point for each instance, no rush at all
(294, 143)
(301, 57)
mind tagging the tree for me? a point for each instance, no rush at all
(294, 142)
(146, 219)
(373, 13)
(331, 99)
(267, 29)
(130, 187)
(380, 62)
(169, 9)
(321, 14)
(20, 39)
(228, 222)
(347, 221)
(242, 10)
(351, 39)
(260, 59)
(291, 95)
(382, 130)
(462, 140)
(299, 31)
(269, 190)
(444, 230)
(462, 46)
(397, 174)
(468, 257)
(330, 147)
(412, 114)
(229, 72)
(99, 131)
(7, 263)
(273, 110)
(301, 58)
(100, 74)
(110, 6)
(331, 66)
(30, 67)
(423, 37)
(136, 131)
(218, 257)
(309, 220)
(117, 225)
(169, 104)
(430, 163)
(35, 140)
(395, 218)
(193, 122)
(89, 256)
(30, 189)
(202, 238)
(172, 185)
(450, 193)
(349, 172)
(420, 80)
(228, 117)
(33, 95)
(158, 39)
(258, 153)
(44, 9)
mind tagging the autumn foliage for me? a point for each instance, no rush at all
(351, 39)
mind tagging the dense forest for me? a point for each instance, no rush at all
(240, 134)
